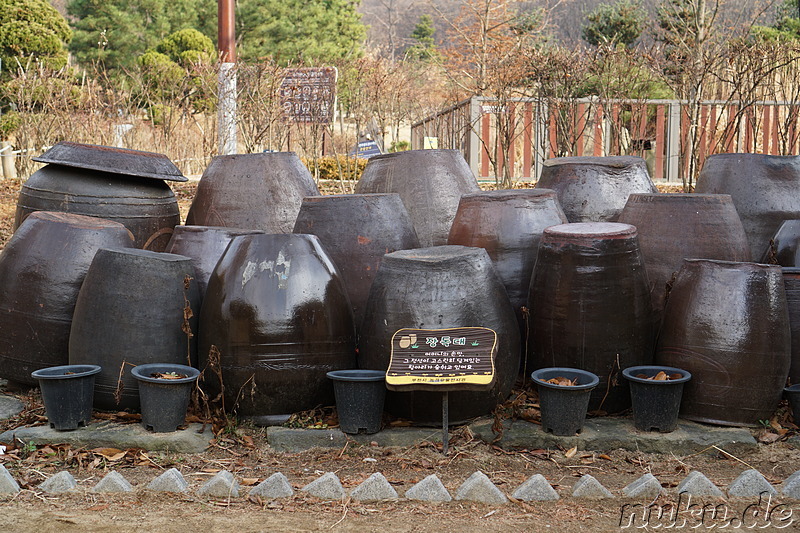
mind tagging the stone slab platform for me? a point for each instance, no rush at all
(193, 439)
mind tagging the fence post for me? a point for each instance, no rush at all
(540, 136)
(7, 157)
(673, 141)
(474, 143)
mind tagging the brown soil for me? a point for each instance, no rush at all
(244, 451)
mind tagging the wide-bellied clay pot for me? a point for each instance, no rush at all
(132, 310)
(674, 227)
(508, 225)
(727, 324)
(595, 189)
(435, 288)
(791, 282)
(357, 230)
(204, 245)
(590, 306)
(125, 186)
(252, 191)
(41, 271)
(277, 314)
(763, 189)
(784, 247)
(430, 183)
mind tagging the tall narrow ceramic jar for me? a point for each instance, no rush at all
(728, 324)
(439, 287)
(508, 225)
(590, 306)
(357, 230)
(277, 313)
(674, 227)
(430, 183)
(131, 311)
(42, 269)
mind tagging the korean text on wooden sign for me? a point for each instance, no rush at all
(442, 359)
(309, 94)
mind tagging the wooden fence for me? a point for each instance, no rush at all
(516, 136)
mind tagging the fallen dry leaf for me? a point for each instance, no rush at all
(571, 452)
(249, 481)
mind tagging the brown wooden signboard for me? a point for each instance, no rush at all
(442, 359)
(308, 95)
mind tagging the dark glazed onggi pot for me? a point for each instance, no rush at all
(727, 323)
(357, 230)
(277, 311)
(430, 183)
(41, 271)
(674, 227)
(590, 306)
(508, 225)
(763, 188)
(252, 191)
(124, 186)
(595, 189)
(784, 248)
(130, 311)
(791, 282)
(204, 245)
(437, 288)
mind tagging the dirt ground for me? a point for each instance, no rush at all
(244, 452)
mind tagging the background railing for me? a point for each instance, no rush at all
(515, 136)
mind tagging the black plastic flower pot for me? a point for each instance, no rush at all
(564, 406)
(68, 394)
(164, 400)
(793, 395)
(656, 403)
(359, 399)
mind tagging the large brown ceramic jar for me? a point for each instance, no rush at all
(277, 312)
(508, 225)
(791, 282)
(124, 186)
(784, 248)
(204, 245)
(357, 230)
(430, 183)
(252, 191)
(132, 310)
(674, 227)
(433, 288)
(590, 306)
(728, 324)
(595, 189)
(764, 191)
(41, 271)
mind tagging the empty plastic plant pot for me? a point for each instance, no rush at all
(793, 395)
(564, 406)
(359, 399)
(656, 402)
(164, 393)
(68, 394)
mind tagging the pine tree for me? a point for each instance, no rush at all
(32, 29)
(621, 23)
(424, 48)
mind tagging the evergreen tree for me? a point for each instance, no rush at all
(116, 32)
(424, 48)
(787, 24)
(312, 31)
(621, 23)
(32, 29)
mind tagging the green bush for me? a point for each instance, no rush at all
(9, 123)
(339, 167)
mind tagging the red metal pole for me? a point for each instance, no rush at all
(226, 31)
